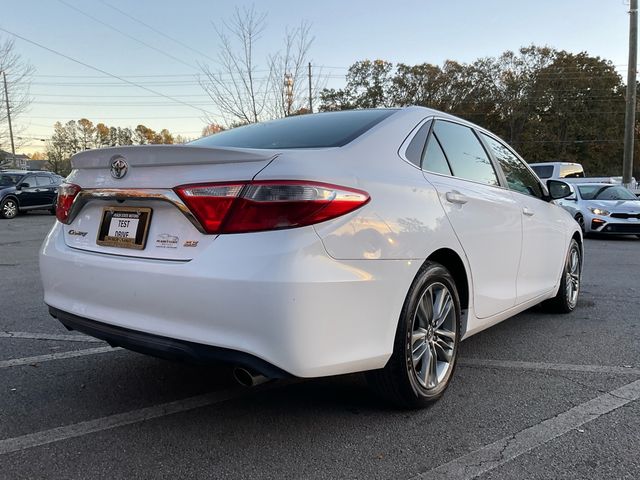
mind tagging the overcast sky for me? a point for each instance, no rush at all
(345, 31)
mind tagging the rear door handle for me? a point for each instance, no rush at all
(456, 197)
(528, 212)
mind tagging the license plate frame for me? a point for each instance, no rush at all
(113, 213)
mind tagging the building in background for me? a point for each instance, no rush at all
(7, 160)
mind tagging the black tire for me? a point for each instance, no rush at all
(580, 219)
(9, 208)
(565, 301)
(399, 382)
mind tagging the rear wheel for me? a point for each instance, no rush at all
(9, 208)
(567, 298)
(426, 343)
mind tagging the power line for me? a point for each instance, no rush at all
(104, 71)
(73, 95)
(159, 32)
(142, 42)
(121, 104)
(141, 117)
(168, 83)
(156, 75)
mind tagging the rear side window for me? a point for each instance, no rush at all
(320, 130)
(43, 180)
(543, 171)
(465, 153)
(518, 176)
(571, 171)
(434, 158)
(416, 146)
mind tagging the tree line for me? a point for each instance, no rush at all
(75, 136)
(548, 104)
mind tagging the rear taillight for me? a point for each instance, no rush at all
(268, 205)
(67, 193)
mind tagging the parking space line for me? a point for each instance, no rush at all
(563, 367)
(49, 336)
(491, 456)
(14, 362)
(120, 419)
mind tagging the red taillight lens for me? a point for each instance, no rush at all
(270, 205)
(66, 195)
(210, 203)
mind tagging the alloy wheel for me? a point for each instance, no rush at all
(572, 280)
(433, 336)
(9, 209)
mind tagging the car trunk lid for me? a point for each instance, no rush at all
(139, 214)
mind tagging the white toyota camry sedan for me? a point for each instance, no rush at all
(364, 240)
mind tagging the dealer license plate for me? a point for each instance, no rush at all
(124, 227)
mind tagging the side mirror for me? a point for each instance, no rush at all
(558, 189)
(22, 185)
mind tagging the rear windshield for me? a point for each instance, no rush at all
(543, 171)
(330, 129)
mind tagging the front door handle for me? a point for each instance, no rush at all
(456, 197)
(528, 212)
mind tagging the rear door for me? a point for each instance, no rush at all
(47, 189)
(544, 236)
(485, 217)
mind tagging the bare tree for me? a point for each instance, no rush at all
(18, 74)
(290, 64)
(244, 93)
(236, 88)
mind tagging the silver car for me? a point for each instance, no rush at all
(604, 208)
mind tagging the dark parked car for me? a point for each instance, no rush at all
(22, 190)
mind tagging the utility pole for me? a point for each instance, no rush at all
(310, 96)
(6, 98)
(630, 114)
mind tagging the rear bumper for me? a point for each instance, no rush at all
(276, 296)
(164, 347)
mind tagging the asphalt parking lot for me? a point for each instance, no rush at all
(537, 396)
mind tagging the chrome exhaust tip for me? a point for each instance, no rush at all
(248, 378)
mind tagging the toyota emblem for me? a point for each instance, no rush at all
(119, 167)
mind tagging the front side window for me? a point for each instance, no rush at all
(519, 178)
(465, 153)
(30, 180)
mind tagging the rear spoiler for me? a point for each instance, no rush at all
(166, 155)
